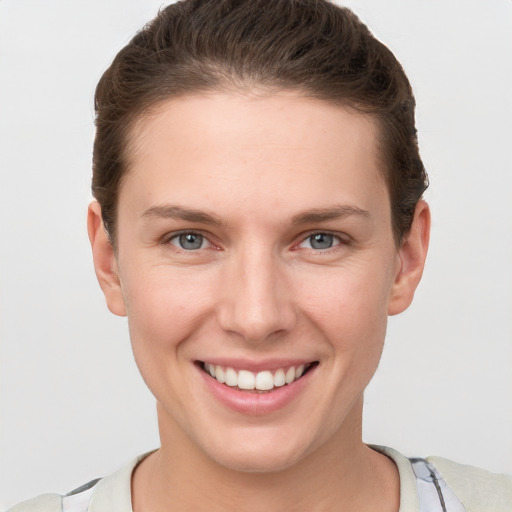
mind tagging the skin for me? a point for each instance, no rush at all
(262, 167)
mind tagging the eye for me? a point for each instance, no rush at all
(320, 241)
(189, 241)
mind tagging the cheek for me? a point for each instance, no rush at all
(355, 296)
(164, 307)
(349, 309)
(166, 313)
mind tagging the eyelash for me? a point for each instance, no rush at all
(338, 240)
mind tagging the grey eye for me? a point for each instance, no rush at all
(189, 241)
(321, 241)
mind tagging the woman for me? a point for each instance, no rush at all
(258, 216)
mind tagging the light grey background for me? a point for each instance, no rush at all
(73, 406)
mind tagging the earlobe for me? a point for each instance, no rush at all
(105, 263)
(412, 254)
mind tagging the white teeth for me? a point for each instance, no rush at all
(279, 378)
(246, 379)
(290, 375)
(264, 381)
(219, 374)
(231, 377)
(261, 381)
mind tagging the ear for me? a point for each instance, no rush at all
(412, 254)
(105, 263)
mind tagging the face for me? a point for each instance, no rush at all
(256, 265)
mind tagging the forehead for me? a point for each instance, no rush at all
(276, 148)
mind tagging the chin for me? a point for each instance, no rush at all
(259, 453)
(261, 462)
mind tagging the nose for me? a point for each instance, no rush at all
(257, 301)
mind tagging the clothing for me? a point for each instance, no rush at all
(477, 490)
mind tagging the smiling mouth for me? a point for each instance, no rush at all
(260, 382)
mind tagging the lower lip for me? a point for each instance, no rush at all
(252, 403)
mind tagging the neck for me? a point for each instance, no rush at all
(342, 474)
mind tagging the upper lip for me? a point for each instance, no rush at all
(256, 366)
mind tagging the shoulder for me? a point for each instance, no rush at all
(477, 489)
(43, 503)
(111, 493)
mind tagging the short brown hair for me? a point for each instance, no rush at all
(312, 46)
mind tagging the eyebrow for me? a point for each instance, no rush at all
(325, 214)
(180, 213)
(201, 217)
